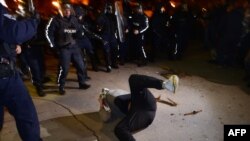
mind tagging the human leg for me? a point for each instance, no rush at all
(91, 53)
(20, 105)
(140, 50)
(114, 52)
(35, 69)
(78, 63)
(141, 97)
(122, 102)
(139, 82)
(107, 53)
(65, 57)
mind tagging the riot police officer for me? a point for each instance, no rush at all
(13, 93)
(83, 40)
(181, 23)
(60, 32)
(160, 27)
(33, 52)
(139, 26)
(107, 28)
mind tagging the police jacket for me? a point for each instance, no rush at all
(181, 21)
(140, 22)
(233, 26)
(13, 32)
(38, 39)
(85, 31)
(160, 23)
(61, 31)
(107, 24)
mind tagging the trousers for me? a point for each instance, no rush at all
(143, 106)
(67, 55)
(15, 97)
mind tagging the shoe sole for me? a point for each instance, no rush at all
(175, 81)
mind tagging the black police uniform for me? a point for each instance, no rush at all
(160, 27)
(181, 23)
(231, 29)
(107, 27)
(60, 33)
(33, 51)
(83, 40)
(140, 23)
(13, 93)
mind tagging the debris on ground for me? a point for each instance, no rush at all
(193, 113)
(168, 101)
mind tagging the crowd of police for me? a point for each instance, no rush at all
(76, 36)
(226, 25)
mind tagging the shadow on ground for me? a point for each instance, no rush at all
(84, 127)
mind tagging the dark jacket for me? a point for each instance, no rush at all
(140, 22)
(62, 31)
(107, 24)
(16, 32)
(13, 32)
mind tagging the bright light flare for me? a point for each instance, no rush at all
(58, 6)
(149, 13)
(20, 7)
(204, 9)
(20, 10)
(19, 1)
(173, 4)
(84, 2)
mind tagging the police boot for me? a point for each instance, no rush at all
(61, 90)
(108, 69)
(84, 86)
(40, 91)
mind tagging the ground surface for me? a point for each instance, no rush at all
(220, 94)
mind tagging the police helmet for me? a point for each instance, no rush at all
(139, 9)
(108, 8)
(67, 6)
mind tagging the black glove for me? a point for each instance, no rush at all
(105, 42)
(36, 16)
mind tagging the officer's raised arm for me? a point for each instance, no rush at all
(16, 32)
